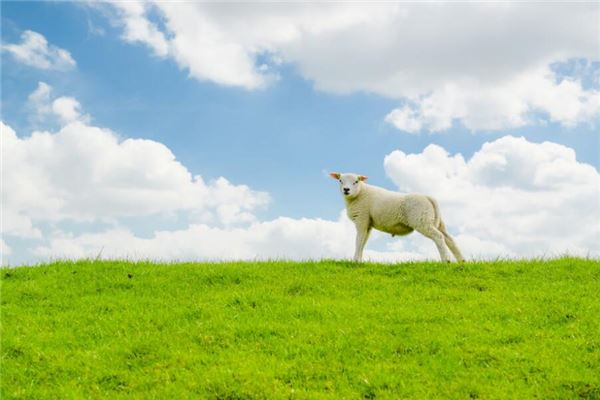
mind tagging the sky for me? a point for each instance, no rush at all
(205, 131)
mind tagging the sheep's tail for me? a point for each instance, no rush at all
(437, 222)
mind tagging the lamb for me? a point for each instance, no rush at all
(398, 214)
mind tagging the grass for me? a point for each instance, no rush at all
(310, 330)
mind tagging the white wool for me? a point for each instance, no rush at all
(395, 213)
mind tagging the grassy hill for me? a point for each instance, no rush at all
(309, 330)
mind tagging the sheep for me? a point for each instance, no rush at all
(398, 214)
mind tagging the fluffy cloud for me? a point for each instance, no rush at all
(67, 109)
(42, 105)
(39, 99)
(477, 63)
(137, 28)
(405, 119)
(511, 198)
(35, 51)
(517, 102)
(87, 173)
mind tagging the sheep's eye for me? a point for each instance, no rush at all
(355, 182)
(340, 181)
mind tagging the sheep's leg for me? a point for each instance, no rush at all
(438, 238)
(451, 244)
(362, 234)
(453, 247)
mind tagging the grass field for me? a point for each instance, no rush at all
(329, 329)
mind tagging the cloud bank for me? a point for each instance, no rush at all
(512, 198)
(479, 64)
(88, 173)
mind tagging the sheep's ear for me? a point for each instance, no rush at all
(362, 178)
(335, 175)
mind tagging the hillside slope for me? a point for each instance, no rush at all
(329, 329)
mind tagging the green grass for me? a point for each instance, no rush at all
(313, 330)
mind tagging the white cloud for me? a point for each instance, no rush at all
(35, 51)
(281, 238)
(405, 119)
(40, 98)
(42, 104)
(512, 198)
(39, 103)
(137, 28)
(477, 63)
(66, 108)
(514, 103)
(86, 173)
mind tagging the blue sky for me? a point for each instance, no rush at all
(279, 139)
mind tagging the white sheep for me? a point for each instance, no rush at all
(398, 214)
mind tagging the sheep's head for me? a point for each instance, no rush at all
(350, 184)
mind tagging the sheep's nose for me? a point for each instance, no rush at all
(346, 190)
